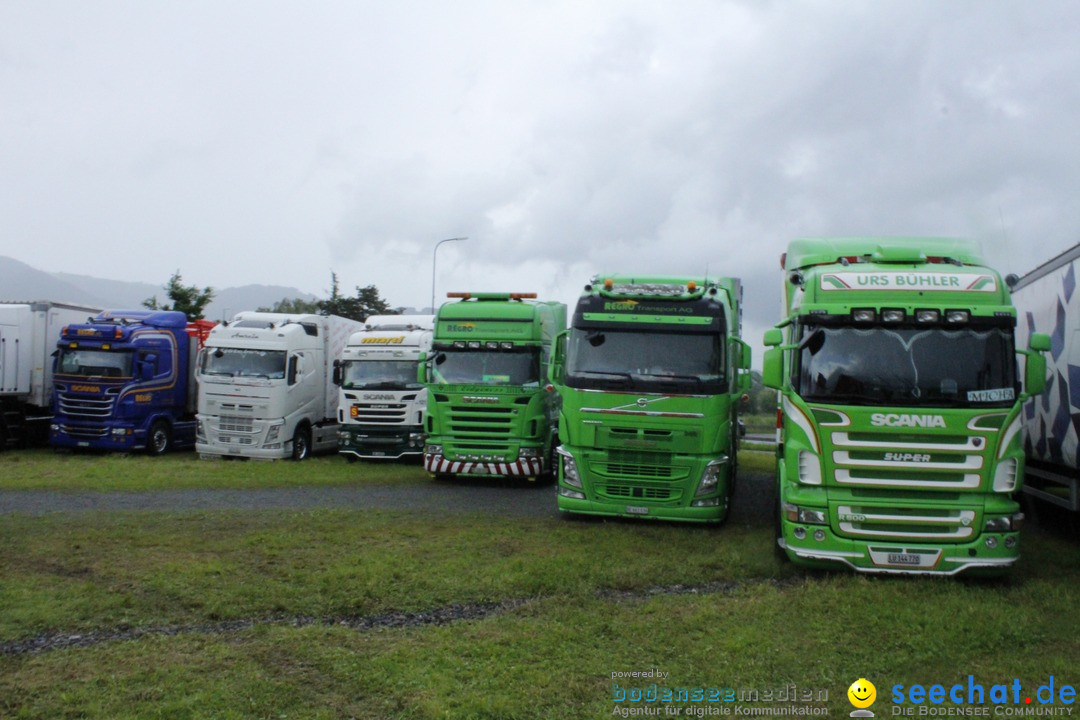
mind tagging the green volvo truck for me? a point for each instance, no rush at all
(650, 374)
(899, 422)
(490, 410)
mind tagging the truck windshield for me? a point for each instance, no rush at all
(488, 367)
(380, 375)
(239, 362)
(95, 363)
(908, 367)
(644, 360)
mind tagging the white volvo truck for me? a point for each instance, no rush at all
(266, 386)
(381, 406)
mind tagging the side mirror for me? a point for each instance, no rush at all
(337, 376)
(1035, 364)
(773, 337)
(422, 369)
(148, 367)
(294, 369)
(772, 372)
(1039, 342)
(556, 370)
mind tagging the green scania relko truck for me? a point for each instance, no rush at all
(899, 407)
(650, 374)
(490, 409)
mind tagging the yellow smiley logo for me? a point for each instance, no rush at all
(862, 693)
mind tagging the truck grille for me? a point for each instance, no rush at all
(625, 492)
(88, 407)
(476, 423)
(379, 413)
(907, 523)
(896, 460)
(82, 431)
(636, 465)
(233, 423)
(634, 475)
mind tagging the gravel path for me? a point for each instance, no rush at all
(752, 504)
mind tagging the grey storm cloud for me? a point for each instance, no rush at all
(279, 141)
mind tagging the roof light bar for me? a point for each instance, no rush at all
(892, 315)
(927, 315)
(956, 317)
(863, 315)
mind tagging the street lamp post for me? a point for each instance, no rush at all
(434, 254)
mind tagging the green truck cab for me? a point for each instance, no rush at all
(650, 374)
(490, 410)
(900, 407)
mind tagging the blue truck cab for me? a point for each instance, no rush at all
(124, 381)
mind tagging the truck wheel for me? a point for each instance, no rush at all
(301, 444)
(159, 441)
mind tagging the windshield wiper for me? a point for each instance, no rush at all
(621, 376)
(674, 378)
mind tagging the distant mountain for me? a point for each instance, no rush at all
(21, 282)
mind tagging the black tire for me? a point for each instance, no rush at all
(301, 443)
(159, 439)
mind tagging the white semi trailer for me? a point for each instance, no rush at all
(382, 404)
(266, 385)
(28, 335)
(1048, 301)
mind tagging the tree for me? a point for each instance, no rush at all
(366, 303)
(189, 299)
(293, 306)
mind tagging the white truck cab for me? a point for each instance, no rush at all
(381, 403)
(265, 385)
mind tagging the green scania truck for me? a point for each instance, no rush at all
(898, 429)
(490, 410)
(650, 374)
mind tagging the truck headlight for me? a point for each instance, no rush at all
(529, 452)
(806, 516)
(433, 449)
(569, 468)
(809, 468)
(710, 478)
(274, 431)
(1005, 476)
(1004, 524)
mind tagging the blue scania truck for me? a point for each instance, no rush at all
(124, 381)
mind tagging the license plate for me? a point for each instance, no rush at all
(637, 510)
(904, 559)
(377, 453)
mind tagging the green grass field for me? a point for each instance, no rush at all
(346, 613)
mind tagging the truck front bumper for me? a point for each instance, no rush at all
(105, 436)
(633, 493)
(990, 553)
(380, 443)
(522, 467)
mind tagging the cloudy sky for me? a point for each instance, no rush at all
(246, 141)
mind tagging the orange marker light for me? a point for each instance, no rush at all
(608, 284)
(462, 295)
(691, 286)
